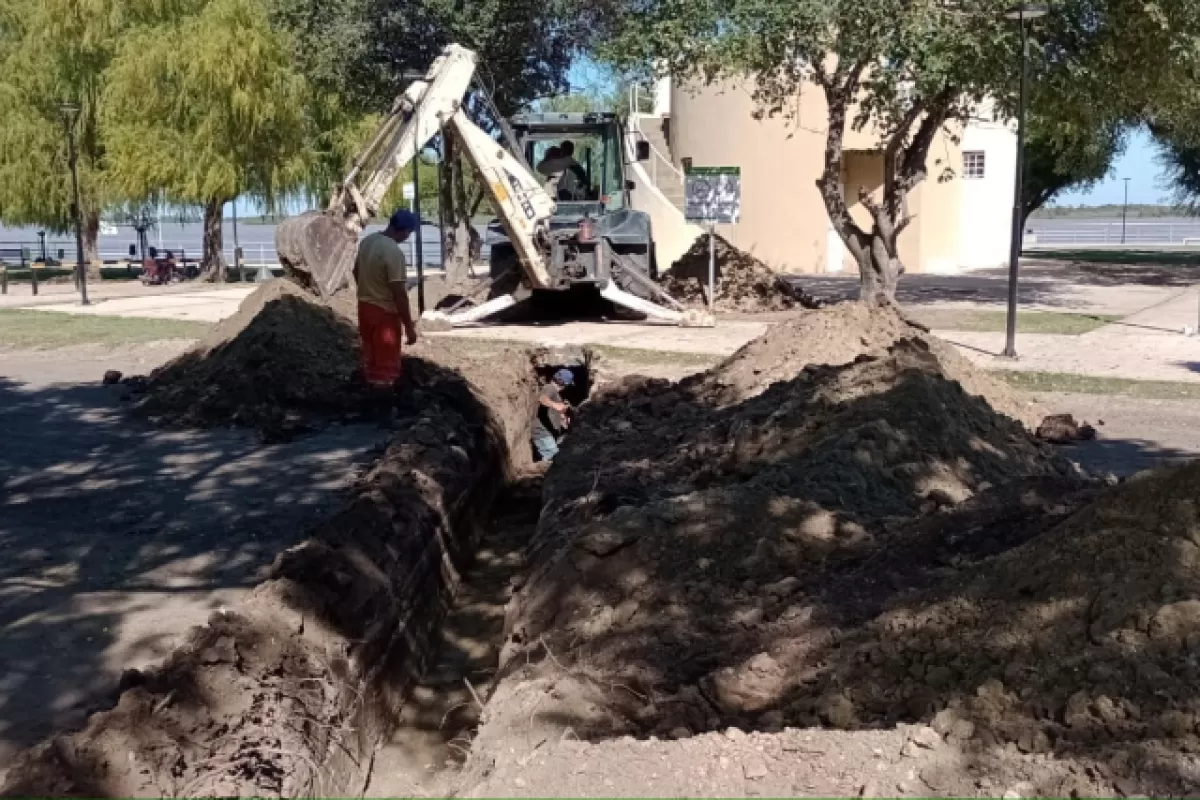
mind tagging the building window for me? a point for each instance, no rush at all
(973, 164)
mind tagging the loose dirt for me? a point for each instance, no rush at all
(283, 361)
(842, 539)
(289, 691)
(838, 335)
(744, 283)
(646, 588)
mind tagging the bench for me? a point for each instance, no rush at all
(20, 255)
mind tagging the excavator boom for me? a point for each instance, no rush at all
(318, 249)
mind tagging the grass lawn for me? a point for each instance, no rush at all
(1089, 384)
(45, 330)
(987, 320)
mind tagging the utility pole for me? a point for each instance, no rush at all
(1021, 13)
(70, 112)
(1124, 210)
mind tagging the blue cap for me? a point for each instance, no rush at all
(565, 377)
(404, 221)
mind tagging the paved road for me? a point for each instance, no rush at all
(117, 537)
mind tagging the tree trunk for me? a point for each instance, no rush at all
(212, 262)
(91, 245)
(879, 270)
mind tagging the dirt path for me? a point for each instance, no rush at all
(117, 537)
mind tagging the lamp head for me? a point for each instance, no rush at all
(1027, 11)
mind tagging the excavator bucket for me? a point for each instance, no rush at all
(317, 251)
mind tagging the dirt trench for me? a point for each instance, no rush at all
(295, 690)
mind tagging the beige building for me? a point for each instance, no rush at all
(962, 211)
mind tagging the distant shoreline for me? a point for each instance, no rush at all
(1111, 212)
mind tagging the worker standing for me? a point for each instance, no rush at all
(383, 309)
(550, 421)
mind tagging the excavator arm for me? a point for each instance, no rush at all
(318, 249)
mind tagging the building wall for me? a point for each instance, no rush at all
(783, 218)
(784, 221)
(985, 226)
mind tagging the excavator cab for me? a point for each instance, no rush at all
(597, 198)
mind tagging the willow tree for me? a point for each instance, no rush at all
(202, 105)
(54, 51)
(904, 70)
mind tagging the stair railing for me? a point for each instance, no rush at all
(656, 156)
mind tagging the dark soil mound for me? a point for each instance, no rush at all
(743, 282)
(282, 359)
(693, 552)
(838, 335)
(292, 691)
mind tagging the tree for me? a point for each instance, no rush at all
(904, 71)
(1179, 156)
(202, 107)
(1061, 155)
(1175, 125)
(53, 51)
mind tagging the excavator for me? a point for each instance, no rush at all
(318, 248)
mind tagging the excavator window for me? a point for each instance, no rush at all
(597, 150)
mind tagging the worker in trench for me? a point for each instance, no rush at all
(552, 417)
(381, 273)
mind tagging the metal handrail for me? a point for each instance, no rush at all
(635, 125)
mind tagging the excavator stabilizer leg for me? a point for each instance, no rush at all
(474, 314)
(689, 318)
(317, 251)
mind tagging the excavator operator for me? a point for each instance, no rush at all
(381, 273)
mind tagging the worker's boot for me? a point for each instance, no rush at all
(383, 407)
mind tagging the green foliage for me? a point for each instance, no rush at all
(204, 106)
(1179, 156)
(361, 49)
(53, 51)
(1176, 129)
(1061, 155)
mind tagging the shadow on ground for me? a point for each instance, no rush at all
(118, 536)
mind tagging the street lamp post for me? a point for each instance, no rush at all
(70, 113)
(1021, 14)
(1124, 209)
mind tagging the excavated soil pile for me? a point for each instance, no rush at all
(1084, 642)
(838, 335)
(696, 561)
(282, 360)
(290, 692)
(743, 282)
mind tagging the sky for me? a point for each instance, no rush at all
(1139, 164)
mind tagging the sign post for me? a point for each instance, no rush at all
(712, 195)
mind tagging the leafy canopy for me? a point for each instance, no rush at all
(202, 104)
